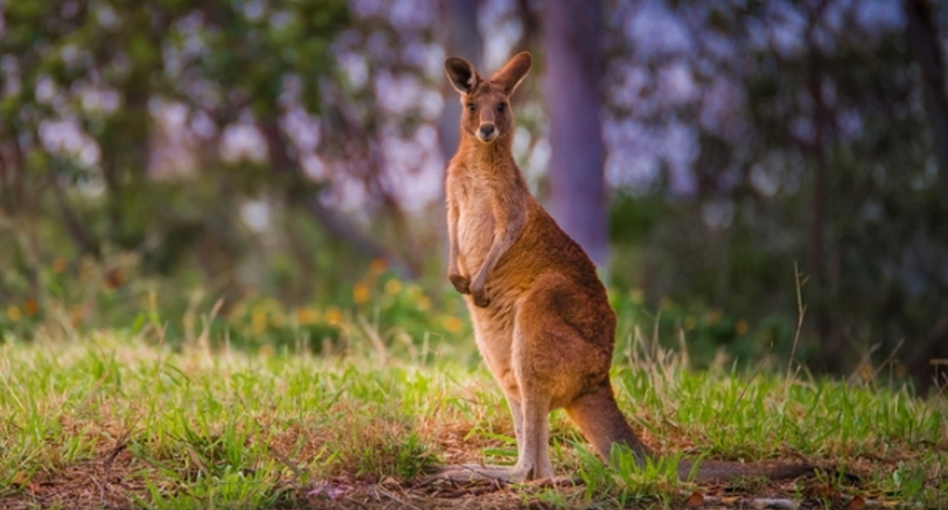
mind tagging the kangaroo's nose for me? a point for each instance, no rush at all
(486, 130)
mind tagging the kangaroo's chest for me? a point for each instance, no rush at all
(476, 222)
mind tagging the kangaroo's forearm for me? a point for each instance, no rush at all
(452, 241)
(460, 282)
(502, 242)
(504, 238)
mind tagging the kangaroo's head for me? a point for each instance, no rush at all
(485, 104)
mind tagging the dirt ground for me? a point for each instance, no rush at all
(114, 481)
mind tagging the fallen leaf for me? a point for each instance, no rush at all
(696, 499)
(857, 503)
(20, 479)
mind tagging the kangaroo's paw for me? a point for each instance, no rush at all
(461, 283)
(480, 298)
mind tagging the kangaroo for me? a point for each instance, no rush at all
(542, 322)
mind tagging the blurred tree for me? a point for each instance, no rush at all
(462, 38)
(738, 138)
(921, 32)
(573, 56)
(88, 89)
(782, 132)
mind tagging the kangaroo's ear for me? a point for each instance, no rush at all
(514, 72)
(461, 74)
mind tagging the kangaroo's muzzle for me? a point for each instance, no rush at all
(486, 132)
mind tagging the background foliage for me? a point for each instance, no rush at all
(251, 171)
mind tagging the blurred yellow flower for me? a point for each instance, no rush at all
(277, 318)
(453, 324)
(266, 350)
(13, 313)
(741, 327)
(258, 321)
(59, 265)
(377, 266)
(306, 316)
(417, 295)
(423, 303)
(360, 293)
(333, 315)
(393, 287)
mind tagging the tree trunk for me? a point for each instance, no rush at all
(922, 35)
(831, 345)
(923, 38)
(462, 39)
(574, 66)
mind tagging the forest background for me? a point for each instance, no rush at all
(262, 170)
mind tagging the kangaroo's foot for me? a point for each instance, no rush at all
(466, 473)
(474, 473)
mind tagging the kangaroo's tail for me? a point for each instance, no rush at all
(602, 423)
(724, 471)
(599, 419)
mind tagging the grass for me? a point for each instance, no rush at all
(117, 418)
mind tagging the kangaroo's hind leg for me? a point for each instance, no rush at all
(533, 461)
(561, 351)
(535, 334)
(516, 414)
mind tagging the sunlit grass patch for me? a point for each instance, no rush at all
(198, 425)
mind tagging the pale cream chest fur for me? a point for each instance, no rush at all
(475, 229)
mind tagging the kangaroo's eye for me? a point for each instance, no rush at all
(501, 107)
(471, 107)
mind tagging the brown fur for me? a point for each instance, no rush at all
(541, 318)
